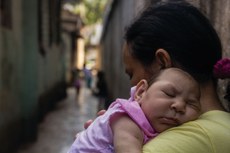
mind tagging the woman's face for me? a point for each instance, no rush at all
(135, 70)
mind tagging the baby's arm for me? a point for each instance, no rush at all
(128, 137)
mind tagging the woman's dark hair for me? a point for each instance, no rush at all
(227, 96)
(183, 31)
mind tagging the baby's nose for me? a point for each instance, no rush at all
(179, 106)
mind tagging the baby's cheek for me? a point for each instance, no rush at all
(193, 114)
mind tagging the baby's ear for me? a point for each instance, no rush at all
(141, 89)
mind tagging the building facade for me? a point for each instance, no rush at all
(32, 67)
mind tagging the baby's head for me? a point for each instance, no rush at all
(169, 99)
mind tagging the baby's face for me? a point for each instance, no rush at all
(171, 100)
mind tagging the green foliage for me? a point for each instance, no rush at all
(91, 11)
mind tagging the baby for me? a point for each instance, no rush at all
(167, 100)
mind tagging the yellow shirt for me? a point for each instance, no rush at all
(208, 134)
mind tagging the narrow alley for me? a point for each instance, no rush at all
(58, 129)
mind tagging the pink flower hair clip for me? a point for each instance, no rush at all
(222, 68)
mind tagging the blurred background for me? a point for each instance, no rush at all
(51, 52)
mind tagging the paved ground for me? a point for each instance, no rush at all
(57, 131)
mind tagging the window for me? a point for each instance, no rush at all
(6, 13)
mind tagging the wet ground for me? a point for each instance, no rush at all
(58, 129)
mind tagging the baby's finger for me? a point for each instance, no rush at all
(101, 112)
(76, 135)
(87, 123)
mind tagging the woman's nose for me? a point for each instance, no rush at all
(179, 106)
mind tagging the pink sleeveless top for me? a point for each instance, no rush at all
(98, 137)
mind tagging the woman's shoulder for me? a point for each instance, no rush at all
(208, 133)
(214, 120)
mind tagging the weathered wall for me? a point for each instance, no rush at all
(218, 13)
(30, 82)
(122, 12)
(10, 74)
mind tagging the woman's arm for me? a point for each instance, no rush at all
(128, 138)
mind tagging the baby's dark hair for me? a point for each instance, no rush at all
(180, 29)
(155, 76)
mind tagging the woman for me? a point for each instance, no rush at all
(176, 34)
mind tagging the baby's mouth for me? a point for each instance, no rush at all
(170, 121)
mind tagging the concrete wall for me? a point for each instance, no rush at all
(218, 13)
(122, 12)
(30, 83)
(10, 76)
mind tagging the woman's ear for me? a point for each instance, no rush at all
(141, 89)
(163, 58)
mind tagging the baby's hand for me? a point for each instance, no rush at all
(89, 122)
